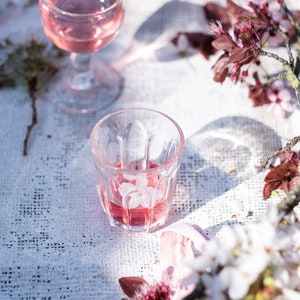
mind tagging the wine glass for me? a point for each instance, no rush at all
(82, 27)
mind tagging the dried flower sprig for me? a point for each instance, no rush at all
(30, 65)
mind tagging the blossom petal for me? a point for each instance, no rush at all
(284, 95)
(237, 284)
(287, 106)
(125, 188)
(137, 199)
(141, 181)
(176, 244)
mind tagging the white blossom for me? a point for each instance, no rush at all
(139, 193)
(231, 264)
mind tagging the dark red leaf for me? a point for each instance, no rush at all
(220, 68)
(258, 95)
(200, 41)
(236, 12)
(285, 171)
(131, 285)
(223, 43)
(216, 12)
(242, 55)
(258, 92)
(280, 177)
(269, 188)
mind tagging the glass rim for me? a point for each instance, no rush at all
(130, 171)
(65, 12)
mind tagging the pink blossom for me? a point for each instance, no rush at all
(234, 70)
(280, 99)
(216, 27)
(177, 245)
(284, 25)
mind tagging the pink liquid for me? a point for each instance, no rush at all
(139, 216)
(83, 33)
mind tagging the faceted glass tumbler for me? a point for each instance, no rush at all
(137, 155)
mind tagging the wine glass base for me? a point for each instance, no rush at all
(108, 86)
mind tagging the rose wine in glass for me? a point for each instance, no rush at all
(81, 28)
(138, 201)
(137, 155)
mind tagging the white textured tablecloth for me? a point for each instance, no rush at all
(55, 241)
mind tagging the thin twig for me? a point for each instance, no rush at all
(286, 148)
(288, 46)
(273, 55)
(293, 21)
(291, 17)
(287, 205)
(34, 120)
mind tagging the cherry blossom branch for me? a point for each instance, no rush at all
(291, 70)
(292, 77)
(286, 148)
(273, 55)
(288, 46)
(292, 19)
(287, 205)
(296, 26)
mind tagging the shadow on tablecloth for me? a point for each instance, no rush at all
(217, 158)
(152, 39)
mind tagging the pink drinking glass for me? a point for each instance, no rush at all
(137, 155)
(82, 27)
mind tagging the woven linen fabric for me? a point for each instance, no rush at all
(55, 240)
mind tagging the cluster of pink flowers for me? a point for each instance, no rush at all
(242, 35)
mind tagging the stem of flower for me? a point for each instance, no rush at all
(272, 55)
(287, 205)
(293, 21)
(34, 119)
(286, 148)
(288, 46)
(290, 69)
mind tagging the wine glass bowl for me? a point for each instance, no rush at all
(81, 28)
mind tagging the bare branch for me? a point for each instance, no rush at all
(286, 148)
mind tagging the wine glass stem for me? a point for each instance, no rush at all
(81, 75)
